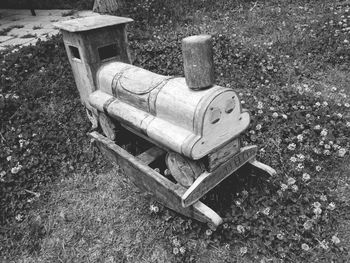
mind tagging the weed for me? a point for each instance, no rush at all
(37, 27)
(4, 31)
(69, 13)
(29, 36)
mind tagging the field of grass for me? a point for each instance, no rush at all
(289, 62)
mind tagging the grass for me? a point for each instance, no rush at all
(286, 56)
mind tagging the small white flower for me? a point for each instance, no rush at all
(275, 115)
(300, 167)
(306, 177)
(208, 232)
(258, 127)
(317, 211)
(284, 187)
(280, 236)
(300, 137)
(16, 169)
(260, 112)
(175, 250)
(317, 104)
(316, 204)
(243, 250)
(324, 132)
(318, 168)
(293, 159)
(266, 211)
(347, 105)
(335, 239)
(325, 104)
(305, 247)
(19, 217)
(307, 225)
(260, 105)
(301, 157)
(323, 198)
(182, 250)
(290, 181)
(295, 188)
(317, 127)
(9, 158)
(341, 152)
(176, 242)
(324, 244)
(326, 152)
(240, 229)
(291, 146)
(284, 116)
(154, 208)
(331, 206)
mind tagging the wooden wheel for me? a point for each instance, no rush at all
(184, 170)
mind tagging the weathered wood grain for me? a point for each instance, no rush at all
(184, 170)
(108, 126)
(263, 168)
(198, 61)
(150, 181)
(208, 180)
(223, 154)
(151, 155)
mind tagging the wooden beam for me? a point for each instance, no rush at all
(220, 156)
(208, 180)
(151, 155)
(263, 168)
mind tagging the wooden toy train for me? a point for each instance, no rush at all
(188, 126)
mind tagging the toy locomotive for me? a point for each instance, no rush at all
(190, 125)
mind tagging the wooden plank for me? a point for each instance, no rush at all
(221, 155)
(92, 22)
(263, 168)
(208, 180)
(143, 176)
(151, 155)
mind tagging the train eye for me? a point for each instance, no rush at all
(230, 105)
(215, 114)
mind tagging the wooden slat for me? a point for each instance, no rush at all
(208, 180)
(151, 155)
(223, 154)
(263, 168)
(143, 176)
